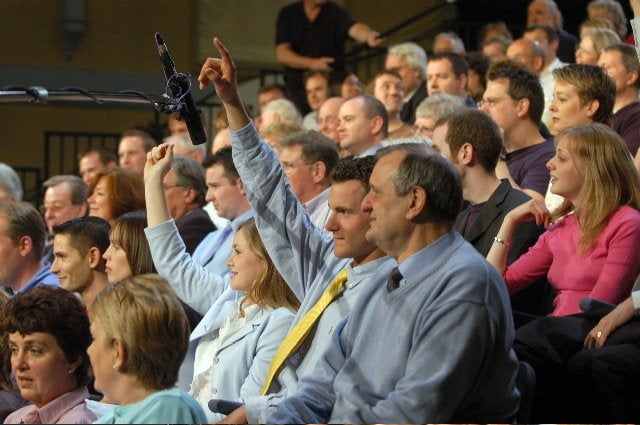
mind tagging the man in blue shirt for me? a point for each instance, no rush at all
(22, 239)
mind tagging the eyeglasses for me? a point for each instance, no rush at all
(490, 101)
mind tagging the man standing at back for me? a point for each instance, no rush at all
(448, 72)
(310, 36)
(316, 267)
(22, 238)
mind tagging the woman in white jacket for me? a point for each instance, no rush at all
(237, 338)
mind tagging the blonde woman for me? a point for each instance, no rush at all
(140, 336)
(236, 340)
(592, 251)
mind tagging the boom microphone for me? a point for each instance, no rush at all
(180, 87)
(225, 407)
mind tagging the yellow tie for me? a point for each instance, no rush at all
(303, 327)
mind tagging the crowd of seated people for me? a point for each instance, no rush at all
(472, 215)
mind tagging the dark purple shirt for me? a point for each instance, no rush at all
(626, 122)
(528, 166)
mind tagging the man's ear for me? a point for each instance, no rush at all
(95, 257)
(25, 246)
(416, 203)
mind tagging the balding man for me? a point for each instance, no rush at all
(363, 125)
(529, 53)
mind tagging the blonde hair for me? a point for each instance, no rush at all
(610, 178)
(269, 289)
(144, 313)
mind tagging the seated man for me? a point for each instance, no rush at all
(472, 141)
(78, 246)
(184, 188)
(22, 238)
(450, 344)
(307, 158)
(94, 160)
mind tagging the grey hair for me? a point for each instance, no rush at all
(285, 108)
(190, 173)
(438, 105)
(184, 141)
(414, 54)
(79, 189)
(10, 182)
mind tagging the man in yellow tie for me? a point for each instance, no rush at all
(326, 274)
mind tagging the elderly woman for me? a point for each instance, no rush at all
(140, 337)
(115, 191)
(48, 338)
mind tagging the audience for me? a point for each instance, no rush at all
(448, 72)
(10, 399)
(547, 38)
(128, 252)
(612, 11)
(448, 41)
(185, 192)
(583, 94)
(329, 121)
(318, 90)
(387, 88)
(279, 111)
(307, 159)
(546, 12)
(10, 185)
(592, 42)
(620, 62)
(115, 191)
(23, 235)
(495, 48)
(529, 53)
(477, 81)
(65, 198)
(385, 387)
(409, 60)
(48, 339)
(79, 246)
(183, 146)
(131, 323)
(351, 86)
(94, 160)
(432, 109)
(363, 125)
(132, 149)
(514, 100)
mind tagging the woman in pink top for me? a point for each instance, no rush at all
(591, 249)
(48, 339)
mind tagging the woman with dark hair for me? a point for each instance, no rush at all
(128, 253)
(10, 399)
(48, 339)
(115, 191)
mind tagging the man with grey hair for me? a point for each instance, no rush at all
(307, 158)
(448, 41)
(620, 62)
(22, 237)
(185, 189)
(432, 108)
(546, 12)
(279, 110)
(409, 60)
(65, 198)
(183, 146)
(10, 185)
